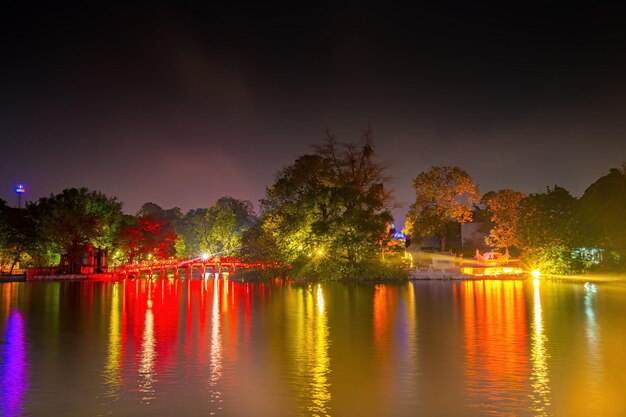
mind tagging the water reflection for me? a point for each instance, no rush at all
(200, 347)
(539, 378)
(396, 344)
(594, 353)
(318, 347)
(215, 362)
(112, 376)
(495, 345)
(310, 354)
(13, 366)
(408, 352)
(147, 375)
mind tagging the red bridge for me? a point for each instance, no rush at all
(202, 267)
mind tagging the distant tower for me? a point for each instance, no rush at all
(19, 190)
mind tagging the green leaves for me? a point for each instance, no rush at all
(217, 230)
(76, 217)
(548, 230)
(326, 213)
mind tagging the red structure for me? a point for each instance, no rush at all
(200, 266)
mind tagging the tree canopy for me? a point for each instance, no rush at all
(76, 217)
(146, 238)
(442, 194)
(18, 234)
(603, 215)
(217, 230)
(503, 208)
(327, 211)
(548, 230)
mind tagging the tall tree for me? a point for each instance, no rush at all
(327, 211)
(173, 216)
(227, 220)
(603, 215)
(442, 194)
(503, 208)
(146, 239)
(19, 236)
(218, 230)
(548, 230)
(76, 217)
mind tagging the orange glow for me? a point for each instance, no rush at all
(381, 325)
(495, 327)
(491, 271)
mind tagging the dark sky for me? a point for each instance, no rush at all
(181, 103)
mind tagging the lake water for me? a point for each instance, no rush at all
(199, 348)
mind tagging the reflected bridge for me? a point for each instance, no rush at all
(190, 268)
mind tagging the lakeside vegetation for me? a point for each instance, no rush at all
(328, 215)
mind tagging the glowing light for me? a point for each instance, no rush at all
(20, 189)
(495, 326)
(216, 357)
(205, 256)
(594, 356)
(148, 355)
(112, 377)
(320, 299)
(535, 273)
(320, 252)
(318, 349)
(14, 368)
(590, 288)
(539, 378)
(309, 338)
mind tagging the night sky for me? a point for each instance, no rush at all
(181, 103)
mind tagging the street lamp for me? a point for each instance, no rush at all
(19, 190)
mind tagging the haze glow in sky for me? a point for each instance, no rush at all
(180, 103)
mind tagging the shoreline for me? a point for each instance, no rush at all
(595, 278)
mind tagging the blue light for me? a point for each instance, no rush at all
(20, 189)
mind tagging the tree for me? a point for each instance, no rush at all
(327, 211)
(227, 220)
(442, 194)
(218, 230)
(173, 216)
(71, 220)
(503, 207)
(18, 234)
(548, 230)
(603, 216)
(146, 239)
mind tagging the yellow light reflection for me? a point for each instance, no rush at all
(148, 353)
(320, 393)
(539, 378)
(594, 355)
(320, 299)
(112, 369)
(309, 343)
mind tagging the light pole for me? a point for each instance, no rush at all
(19, 190)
